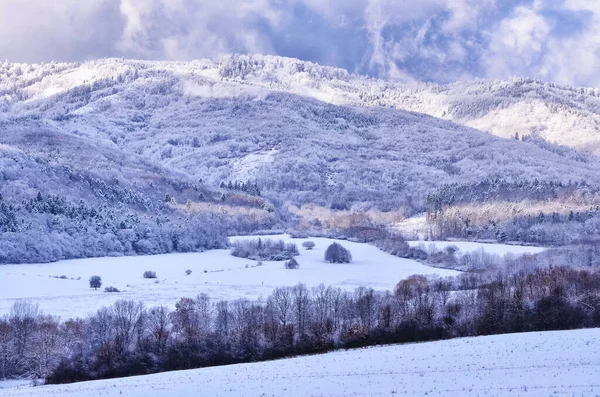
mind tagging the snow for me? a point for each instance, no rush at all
(12, 384)
(531, 364)
(468, 246)
(214, 272)
(220, 90)
(413, 227)
(245, 168)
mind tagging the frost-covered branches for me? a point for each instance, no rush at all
(267, 249)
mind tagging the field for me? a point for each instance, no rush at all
(533, 364)
(467, 246)
(214, 272)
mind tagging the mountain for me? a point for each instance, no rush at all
(564, 115)
(137, 154)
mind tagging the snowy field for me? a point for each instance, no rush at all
(467, 246)
(565, 363)
(214, 272)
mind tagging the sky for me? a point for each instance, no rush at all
(430, 40)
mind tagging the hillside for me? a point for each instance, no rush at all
(528, 364)
(118, 149)
(216, 123)
(564, 115)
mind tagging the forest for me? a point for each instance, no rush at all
(128, 338)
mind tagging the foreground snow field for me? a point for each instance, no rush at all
(533, 364)
(215, 272)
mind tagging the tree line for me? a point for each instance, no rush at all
(131, 339)
(46, 228)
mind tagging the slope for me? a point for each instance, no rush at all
(222, 122)
(532, 364)
(560, 114)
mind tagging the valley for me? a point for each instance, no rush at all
(456, 225)
(215, 273)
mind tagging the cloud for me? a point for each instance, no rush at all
(519, 44)
(185, 29)
(40, 30)
(547, 42)
(434, 40)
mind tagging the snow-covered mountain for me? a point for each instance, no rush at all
(276, 121)
(134, 135)
(564, 115)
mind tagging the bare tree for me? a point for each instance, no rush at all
(159, 328)
(9, 358)
(186, 320)
(45, 345)
(282, 303)
(205, 312)
(301, 301)
(223, 319)
(128, 317)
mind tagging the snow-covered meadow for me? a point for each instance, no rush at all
(214, 272)
(529, 364)
(469, 246)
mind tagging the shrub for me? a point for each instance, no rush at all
(149, 274)
(188, 272)
(269, 250)
(95, 282)
(394, 245)
(308, 245)
(335, 253)
(292, 264)
(111, 289)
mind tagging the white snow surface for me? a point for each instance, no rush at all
(245, 168)
(530, 364)
(226, 277)
(468, 246)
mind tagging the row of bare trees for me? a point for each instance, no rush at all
(130, 339)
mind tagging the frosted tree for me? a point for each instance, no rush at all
(309, 245)
(335, 253)
(95, 282)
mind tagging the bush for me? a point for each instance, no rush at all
(395, 245)
(188, 272)
(308, 245)
(268, 250)
(111, 289)
(335, 253)
(95, 282)
(149, 274)
(292, 264)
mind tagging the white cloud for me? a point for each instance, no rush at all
(527, 43)
(517, 44)
(438, 40)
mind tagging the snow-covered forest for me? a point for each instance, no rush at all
(115, 157)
